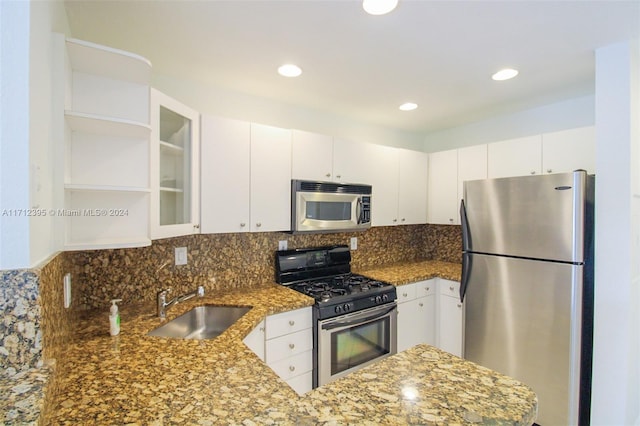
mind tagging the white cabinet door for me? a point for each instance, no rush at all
(442, 207)
(426, 310)
(412, 187)
(450, 317)
(569, 150)
(351, 161)
(270, 178)
(383, 177)
(515, 157)
(311, 156)
(472, 165)
(175, 162)
(407, 334)
(224, 175)
(255, 340)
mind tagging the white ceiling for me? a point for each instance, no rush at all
(439, 54)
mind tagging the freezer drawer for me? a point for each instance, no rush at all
(531, 216)
(523, 319)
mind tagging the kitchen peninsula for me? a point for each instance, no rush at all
(137, 379)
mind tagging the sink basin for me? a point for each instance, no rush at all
(202, 322)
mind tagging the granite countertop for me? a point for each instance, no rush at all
(410, 272)
(136, 379)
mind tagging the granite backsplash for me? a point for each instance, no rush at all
(242, 260)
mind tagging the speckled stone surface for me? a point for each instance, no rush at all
(136, 379)
(224, 261)
(410, 272)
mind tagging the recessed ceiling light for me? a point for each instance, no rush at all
(289, 70)
(408, 106)
(505, 74)
(379, 7)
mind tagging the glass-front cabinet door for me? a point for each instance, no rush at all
(174, 170)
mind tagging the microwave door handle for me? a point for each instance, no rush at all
(356, 320)
(359, 210)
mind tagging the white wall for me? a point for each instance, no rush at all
(30, 173)
(568, 114)
(14, 133)
(616, 375)
(218, 101)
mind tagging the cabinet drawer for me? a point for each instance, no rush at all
(406, 292)
(425, 288)
(288, 322)
(449, 288)
(288, 345)
(293, 366)
(302, 383)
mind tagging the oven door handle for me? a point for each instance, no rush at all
(356, 320)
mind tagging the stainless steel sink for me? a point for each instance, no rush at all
(201, 322)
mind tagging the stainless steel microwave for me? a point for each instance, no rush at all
(329, 206)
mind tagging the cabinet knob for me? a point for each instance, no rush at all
(292, 368)
(420, 304)
(533, 172)
(292, 323)
(426, 289)
(451, 219)
(258, 224)
(459, 305)
(242, 225)
(262, 329)
(328, 175)
(196, 226)
(338, 176)
(395, 220)
(451, 288)
(549, 171)
(291, 346)
(404, 294)
(402, 219)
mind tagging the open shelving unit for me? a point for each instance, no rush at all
(107, 155)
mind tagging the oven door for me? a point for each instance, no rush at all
(320, 211)
(349, 342)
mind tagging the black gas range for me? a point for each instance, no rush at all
(354, 317)
(324, 273)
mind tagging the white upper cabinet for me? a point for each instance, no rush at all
(569, 150)
(107, 132)
(175, 167)
(270, 178)
(311, 156)
(442, 193)
(224, 175)
(472, 165)
(383, 177)
(515, 157)
(412, 187)
(351, 161)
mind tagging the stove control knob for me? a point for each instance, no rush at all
(378, 299)
(338, 309)
(385, 297)
(347, 307)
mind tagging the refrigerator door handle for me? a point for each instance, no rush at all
(466, 271)
(466, 237)
(466, 258)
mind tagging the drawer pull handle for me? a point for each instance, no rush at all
(404, 294)
(426, 289)
(459, 305)
(421, 304)
(451, 288)
(292, 368)
(292, 323)
(291, 346)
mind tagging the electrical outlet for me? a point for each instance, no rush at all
(181, 255)
(354, 243)
(66, 286)
(282, 245)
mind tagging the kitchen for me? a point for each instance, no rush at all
(41, 250)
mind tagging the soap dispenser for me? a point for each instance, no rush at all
(114, 318)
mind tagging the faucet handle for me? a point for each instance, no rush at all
(164, 291)
(200, 291)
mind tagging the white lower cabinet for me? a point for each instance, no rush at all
(285, 343)
(416, 314)
(430, 312)
(450, 317)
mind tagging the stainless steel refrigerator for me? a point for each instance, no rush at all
(527, 285)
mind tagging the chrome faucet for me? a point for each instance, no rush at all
(163, 304)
